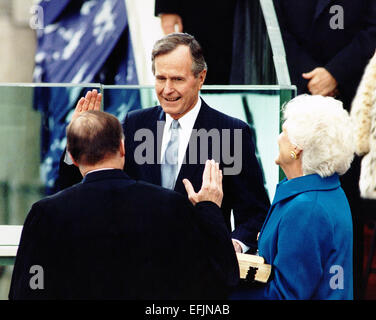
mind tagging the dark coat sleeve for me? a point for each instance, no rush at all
(352, 59)
(220, 250)
(299, 60)
(311, 42)
(34, 250)
(250, 202)
(210, 251)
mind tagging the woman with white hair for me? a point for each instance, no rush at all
(307, 235)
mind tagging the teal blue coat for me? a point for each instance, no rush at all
(307, 238)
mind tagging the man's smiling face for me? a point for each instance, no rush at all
(175, 84)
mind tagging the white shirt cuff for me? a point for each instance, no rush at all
(245, 248)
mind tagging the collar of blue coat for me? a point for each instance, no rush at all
(312, 182)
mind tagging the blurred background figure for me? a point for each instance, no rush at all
(363, 112)
(328, 44)
(233, 35)
(210, 23)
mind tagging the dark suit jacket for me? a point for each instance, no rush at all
(310, 41)
(244, 193)
(212, 25)
(111, 237)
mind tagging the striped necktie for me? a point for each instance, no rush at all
(169, 166)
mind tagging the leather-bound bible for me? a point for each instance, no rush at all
(253, 268)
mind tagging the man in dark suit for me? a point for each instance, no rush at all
(180, 71)
(328, 44)
(111, 237)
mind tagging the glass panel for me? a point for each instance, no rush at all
(20, 153)
(32, 137)
(259, 107)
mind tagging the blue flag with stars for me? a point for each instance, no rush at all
(80, 42)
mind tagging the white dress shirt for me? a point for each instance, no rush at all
(185, 129)
(96, 170)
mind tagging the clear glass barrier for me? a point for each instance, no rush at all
(32, 129)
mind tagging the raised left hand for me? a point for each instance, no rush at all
(211, 188)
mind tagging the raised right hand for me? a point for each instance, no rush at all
(91, 101)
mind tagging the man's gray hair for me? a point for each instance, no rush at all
(172, 41)
(324, 131)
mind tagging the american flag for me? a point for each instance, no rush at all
(80, 42)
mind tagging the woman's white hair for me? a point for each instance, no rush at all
(323, 130)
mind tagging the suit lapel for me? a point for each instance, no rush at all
(156, 126)
(320, 6)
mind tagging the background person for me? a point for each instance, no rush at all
(232, 33)
(210, 23)
(111, 237)
(363, 112)
(328, 44)
(307, 235)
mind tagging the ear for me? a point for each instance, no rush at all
(298, 151)
(122, 148)
(74, 161)
(202, 77)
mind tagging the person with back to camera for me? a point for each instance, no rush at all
(307, 235)
(111, 237)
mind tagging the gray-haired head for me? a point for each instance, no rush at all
(322, 128)
(172, 41)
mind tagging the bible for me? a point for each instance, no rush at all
(253, 268)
